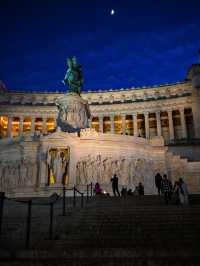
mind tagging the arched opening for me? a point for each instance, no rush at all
(177, 124)
(152, 125)
(95, 123)
(189, 123)
(27, 124)
(141, 125)
(117, 124)
(164, 125)
(15, 126)
(106, 124)
(129, 125)
(3, 126)
(38, 124)
(50, 124)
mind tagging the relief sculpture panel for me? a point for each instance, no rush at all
(130, 170)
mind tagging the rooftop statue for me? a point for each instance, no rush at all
(73, 76)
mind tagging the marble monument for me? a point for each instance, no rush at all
(36, 164)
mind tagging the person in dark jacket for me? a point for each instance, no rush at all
(158, 182)
(140, 189)
(166, 187)
(114, 181)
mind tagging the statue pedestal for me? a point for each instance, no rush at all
(73, 113)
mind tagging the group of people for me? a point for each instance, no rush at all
(165, 187)
(139, 190)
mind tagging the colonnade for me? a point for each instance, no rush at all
(171, 124)
(14, 125)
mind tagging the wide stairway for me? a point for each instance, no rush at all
(138, 231)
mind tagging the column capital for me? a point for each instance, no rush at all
(112, 116)
(181, 109)
(169, 111)
(21, 117)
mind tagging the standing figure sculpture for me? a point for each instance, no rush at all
(74, 76)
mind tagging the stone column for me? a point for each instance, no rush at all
(146, 117)
(101, 123)
(44, 124)
(135, 126)
(55, 122)
(21, 121)
(90, 122)
(158, 124)
(171, 125)
(194, 77)
(183, 123)
(9, 128)
(32, 124)
(43, 173)
(112, 124)
(123, 116)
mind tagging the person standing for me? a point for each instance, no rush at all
(158, 182)
(140, 189)
(176, 192)
(114, 181)
(183, 192)
(166, 188)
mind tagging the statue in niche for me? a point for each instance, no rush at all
(57, 161)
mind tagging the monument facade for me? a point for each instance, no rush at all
(76, 138)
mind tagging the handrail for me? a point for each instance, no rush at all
(50, 201)
(78, 191)
(74, 197)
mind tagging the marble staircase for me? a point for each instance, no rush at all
(140, 231)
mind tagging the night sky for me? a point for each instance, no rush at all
(144, 43)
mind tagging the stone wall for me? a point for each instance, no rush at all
(93, 157)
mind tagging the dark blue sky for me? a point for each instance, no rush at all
(146, 42)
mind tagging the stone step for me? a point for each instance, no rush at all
(105, 261)
(104, 256)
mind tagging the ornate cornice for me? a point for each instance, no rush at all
(112, 101)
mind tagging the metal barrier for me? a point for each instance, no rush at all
(46, 202)
(74, 197)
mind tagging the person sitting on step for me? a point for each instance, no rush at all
(97, 189)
